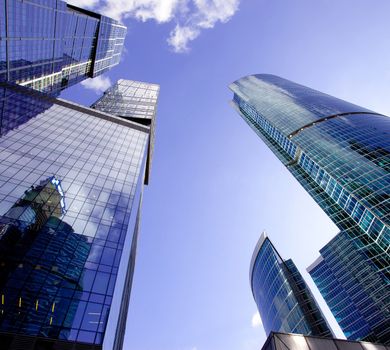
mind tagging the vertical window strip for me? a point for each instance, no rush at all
(271, 131)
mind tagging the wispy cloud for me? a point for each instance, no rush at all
(200, 14)
(256, 320)
(181, 36)
(98, 84)
(190, 16)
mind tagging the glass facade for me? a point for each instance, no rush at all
(71, 181)
(48, 45)
(135, 101)
(354, 290)
(338, 151)
(284, 300)
(283, 341)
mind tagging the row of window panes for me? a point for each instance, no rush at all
(362, 216)
(366, 220)
(282, 141)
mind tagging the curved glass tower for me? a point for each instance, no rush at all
(284, 300)
(338, 151)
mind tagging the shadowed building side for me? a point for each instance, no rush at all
(353, 290)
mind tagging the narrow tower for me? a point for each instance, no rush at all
(284, 300)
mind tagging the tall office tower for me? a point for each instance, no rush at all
(354, 292)
(71, 183)
(284, 300)
(338, 151)
(49, 45)
(135, 101)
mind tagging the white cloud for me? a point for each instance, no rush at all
(212, 11)
(143, 10)
(203, 14)
(256, 320)
(83, 3)
(190, 16)
(98, 84)
(180, 37)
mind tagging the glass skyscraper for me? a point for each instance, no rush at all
(71, 183)
(135, 101)
(354, 290)
(49, 45)
(284, 300)
(338, 151)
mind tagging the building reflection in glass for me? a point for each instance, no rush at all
(65, 243)
(41, 264)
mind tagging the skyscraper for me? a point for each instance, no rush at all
(354, 290)
(338, 151)
(49, 45)
(282, 296)
(135, 101)
(71, 183)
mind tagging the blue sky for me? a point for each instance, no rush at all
(215, 186)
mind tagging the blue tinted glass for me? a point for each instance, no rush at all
(57, 256)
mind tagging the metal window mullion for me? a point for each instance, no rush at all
(54, 42)
(7, 39)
